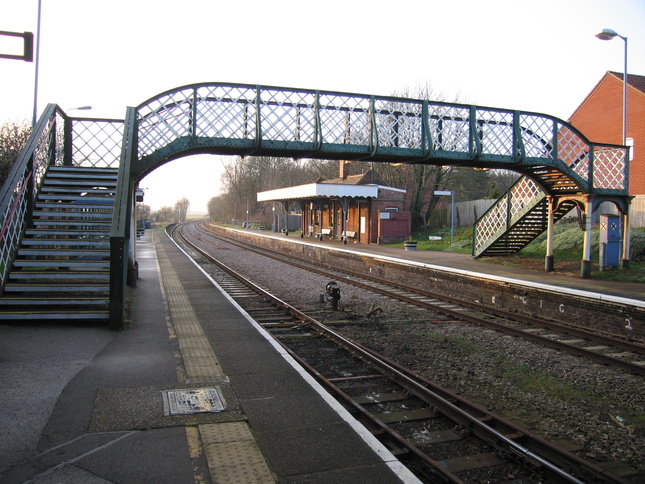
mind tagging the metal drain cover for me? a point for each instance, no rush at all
(196, 400)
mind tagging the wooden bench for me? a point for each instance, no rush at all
(323, 232)
(350, 235)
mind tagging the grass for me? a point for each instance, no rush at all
(568, 245)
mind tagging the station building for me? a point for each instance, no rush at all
(351, 208)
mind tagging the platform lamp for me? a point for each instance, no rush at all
(608, 34)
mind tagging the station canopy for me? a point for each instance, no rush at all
(319, 190)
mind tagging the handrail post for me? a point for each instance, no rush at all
(120, 234)
(68, 153)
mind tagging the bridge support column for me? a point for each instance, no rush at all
(585, 265)
(549, 259)
(624, 261)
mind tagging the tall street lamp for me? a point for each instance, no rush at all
(608, 34)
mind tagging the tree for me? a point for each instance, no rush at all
(13, 138)
(181, 209)
(164, 214)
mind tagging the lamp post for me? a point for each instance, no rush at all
(37, 67)
(608, 34)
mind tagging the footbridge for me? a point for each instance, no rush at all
(63, 177)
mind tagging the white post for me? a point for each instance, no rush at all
(585, 266)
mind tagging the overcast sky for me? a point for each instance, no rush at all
(539, 55)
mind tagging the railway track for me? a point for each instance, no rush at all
(601, 348)
(439, 435)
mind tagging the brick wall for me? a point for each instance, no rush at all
(600, 119)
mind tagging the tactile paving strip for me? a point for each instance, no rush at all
(199, 359)
(232, 454)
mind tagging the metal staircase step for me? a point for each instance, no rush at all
(82, 169)
(90, 182)
(56, 315)
(74, 232)
(73, 223)
(58, 288)
(73, 214)
(73, 175)
(58, 252)
(67, 243)
(15, 301)
(42, 276)
(57, 189)
(104, 204)
(107, 199)
(75, 263)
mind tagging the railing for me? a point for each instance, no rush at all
(56, 140)
(244, 120)
(516, 203)
(121, 222)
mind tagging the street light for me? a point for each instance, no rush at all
(608, 34)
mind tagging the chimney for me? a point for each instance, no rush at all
(344, 169)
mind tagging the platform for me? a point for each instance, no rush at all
(85, 405)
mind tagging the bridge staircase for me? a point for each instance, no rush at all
(521, 215)
(62, 267)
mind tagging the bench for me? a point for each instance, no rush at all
(322, 233)
(350, 235)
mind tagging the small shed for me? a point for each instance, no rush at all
(351, 208)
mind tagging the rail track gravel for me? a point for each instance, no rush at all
(595, 411)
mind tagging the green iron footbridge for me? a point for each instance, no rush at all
(68, 202)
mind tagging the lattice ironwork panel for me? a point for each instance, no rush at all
(399, 123)
(287, 115)
(226, 112)
(524, 195)
(165, 119)
(96, 143)
(491, 225)
(610, 167)
(518, 201)
(495, 129)
(573, 151)
(450, 128)
(344, 119)
(537, 135)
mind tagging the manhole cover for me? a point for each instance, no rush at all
(196, 400)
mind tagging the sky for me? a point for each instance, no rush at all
(539, 55)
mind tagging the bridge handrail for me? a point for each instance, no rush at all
(120, 233)
(248, 119)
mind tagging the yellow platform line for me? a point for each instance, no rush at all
(200, 361)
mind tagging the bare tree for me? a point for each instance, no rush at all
(13, 138)
(181, 209)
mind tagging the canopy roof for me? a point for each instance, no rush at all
(320, 190)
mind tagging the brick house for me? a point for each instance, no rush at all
(600, 118)
(352, 208)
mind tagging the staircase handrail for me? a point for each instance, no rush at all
(120, 233)
(46, 145)
(523, 195)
